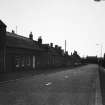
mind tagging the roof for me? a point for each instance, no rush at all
(14, 40)
(17, 41)
(92, 57)
(2, 24)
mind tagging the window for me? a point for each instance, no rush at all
(17, 61)
(23, 61)
(28, 60)
(33, 61)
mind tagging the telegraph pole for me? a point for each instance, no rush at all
(65, 45)
(101, 46)
(16, 29)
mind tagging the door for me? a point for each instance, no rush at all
(33, 62)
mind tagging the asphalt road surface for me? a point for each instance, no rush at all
(78, 86)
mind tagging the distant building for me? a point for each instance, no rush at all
(91, 59)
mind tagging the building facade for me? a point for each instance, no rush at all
(19, 53)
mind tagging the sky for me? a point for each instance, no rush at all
(80, 22)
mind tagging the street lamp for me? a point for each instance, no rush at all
(100, 49)
(100, 61)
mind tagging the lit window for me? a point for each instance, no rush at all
(17, 61)
(23, 61)
(33, 61)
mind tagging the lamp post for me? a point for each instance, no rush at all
(100, 49)
(101, 46)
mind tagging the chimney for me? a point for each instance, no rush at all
(56, 46)
(31, 36)
(40, 40)
(51, 44)
(59, 48)
(13, 32)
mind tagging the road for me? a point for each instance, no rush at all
(78, 86)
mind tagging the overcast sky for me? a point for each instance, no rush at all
(80, 22)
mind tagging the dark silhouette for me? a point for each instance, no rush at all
(20, 53)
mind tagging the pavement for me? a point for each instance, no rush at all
(102, 83)
(11, 76)
(98, 91)
(76, 86)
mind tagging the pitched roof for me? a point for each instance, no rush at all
(17, 41)
(2, 24)
(14, 40)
